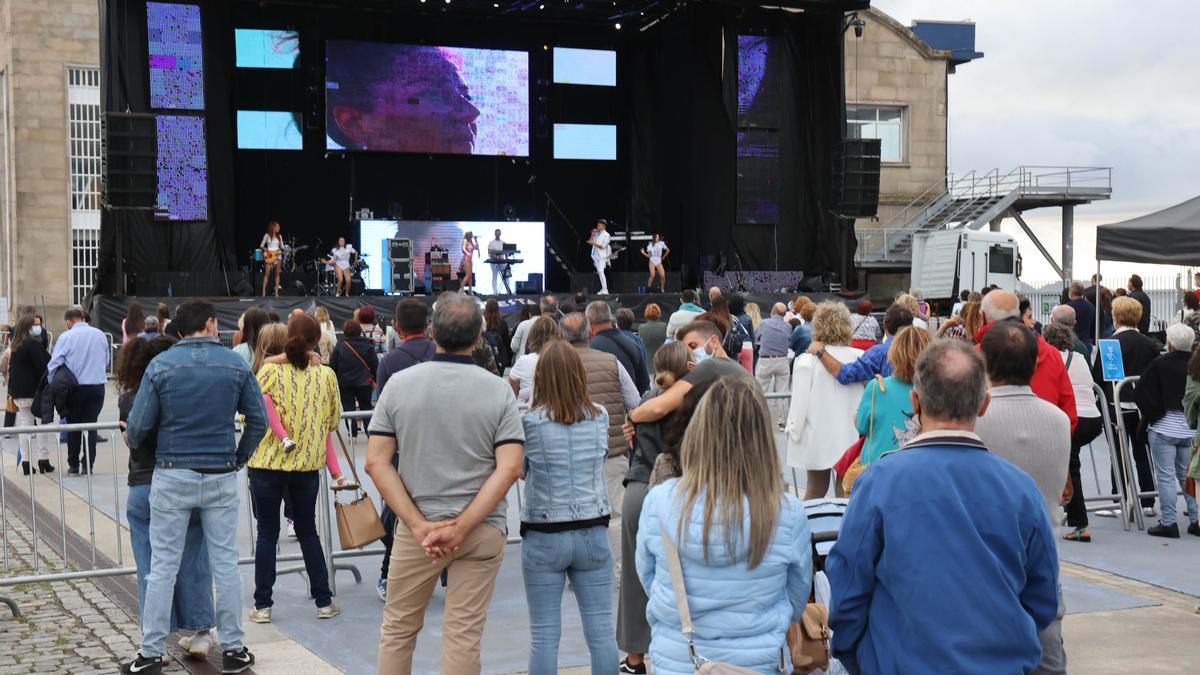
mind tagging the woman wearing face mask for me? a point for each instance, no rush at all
(27, 366)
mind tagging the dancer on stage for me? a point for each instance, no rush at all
(601, 252)
(656, 252)
(499, 269)
(272, 248)
(341, 258)
(466, 266)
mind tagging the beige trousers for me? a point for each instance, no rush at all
(412, 577)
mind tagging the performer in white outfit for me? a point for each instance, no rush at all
(496, 252)
(272, 247)
(657, 251)
(341, 258)
(601, 252)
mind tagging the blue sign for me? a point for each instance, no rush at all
(1110, 360)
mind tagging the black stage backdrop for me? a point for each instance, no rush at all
(675, 107)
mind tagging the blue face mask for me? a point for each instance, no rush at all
(36, 331)
(701, 354)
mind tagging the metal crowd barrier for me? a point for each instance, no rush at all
(95, 494)
(1130, 479)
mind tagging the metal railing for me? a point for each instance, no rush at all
(1130, 478)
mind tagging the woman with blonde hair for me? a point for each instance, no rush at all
(913, 305)
(672, 362)
(741, 540)
(466, 265)
(755, 313)
(966, 325)
(820, 424)
(271, 340)
(328, 339)
(885, 414)
(565, 513)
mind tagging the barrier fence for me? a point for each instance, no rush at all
(55, 511)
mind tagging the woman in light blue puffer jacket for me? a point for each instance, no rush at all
(746, 584)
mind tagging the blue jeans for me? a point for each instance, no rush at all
(267, 489)
(1171, 457)
(547, 560)
(192, 607)
(175, 495)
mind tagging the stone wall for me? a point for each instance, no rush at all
(889, 65)
(38, 39)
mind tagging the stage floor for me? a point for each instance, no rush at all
(108, 311)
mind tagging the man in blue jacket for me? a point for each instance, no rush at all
(189, 397)
(946, 560)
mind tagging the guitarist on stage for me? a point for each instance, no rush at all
(601, 252)
(272, 248)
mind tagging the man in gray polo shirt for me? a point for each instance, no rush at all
(459, 440)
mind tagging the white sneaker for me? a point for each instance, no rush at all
(291, 528)
(261, 615)
(1149, 511)
(328, 611)
(1107, 513)
(197, 645)
(381, 589)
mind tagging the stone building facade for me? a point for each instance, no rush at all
(896, 91)
(49, 152)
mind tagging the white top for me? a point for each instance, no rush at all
(341, 256)
(270, 243)
(1173, 424)
(495, 246)
(522, 372)
(920, 323)
(656, 251)
(601, 240)
(820, 424)
(521, 336)
(1080, 374)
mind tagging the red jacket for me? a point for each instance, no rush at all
(1050, 380)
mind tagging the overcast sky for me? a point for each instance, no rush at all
(1079, 83)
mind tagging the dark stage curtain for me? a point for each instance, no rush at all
(149, 249)
(684, 135)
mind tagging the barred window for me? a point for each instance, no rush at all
(84, 153)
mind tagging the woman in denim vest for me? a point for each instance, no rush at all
(564, 521)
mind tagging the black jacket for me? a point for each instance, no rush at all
(54, 393)
(26, 367)
(141, 458)
(349, 368)
(620, 345)
(1161, 387)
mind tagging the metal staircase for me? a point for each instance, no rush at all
(974, 200)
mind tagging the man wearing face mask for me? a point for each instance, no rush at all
(712, 363)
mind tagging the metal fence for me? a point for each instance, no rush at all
(1166, 293)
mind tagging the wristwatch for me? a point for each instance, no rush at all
(819, 353)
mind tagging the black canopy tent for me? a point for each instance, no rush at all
(1167, 237)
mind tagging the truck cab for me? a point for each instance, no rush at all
(945, 262)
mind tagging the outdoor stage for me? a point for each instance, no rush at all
(110, 310)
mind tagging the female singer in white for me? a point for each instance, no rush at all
(272, 248)
(466, 267)
(341, 258)
(656, 252)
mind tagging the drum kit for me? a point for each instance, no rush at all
(290, 262)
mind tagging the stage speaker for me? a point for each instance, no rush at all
(400, 249)
(130, 160)
(856, 181)
(402, 278)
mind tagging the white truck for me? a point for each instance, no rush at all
(945, 262)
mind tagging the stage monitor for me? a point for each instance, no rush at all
(176, 56)
(423, 99)
(256, 48)
(182, 168)
(585, 66)
(268, 130)
(529, 238)
(585, 141)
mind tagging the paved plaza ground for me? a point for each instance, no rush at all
(1130, 598)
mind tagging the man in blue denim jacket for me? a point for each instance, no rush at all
(189, 398)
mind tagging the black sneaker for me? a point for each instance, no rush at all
(236, 661)
(1194, 529)
(1169, 531)
(143, 665)
(627, 667)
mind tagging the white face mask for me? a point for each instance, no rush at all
(36, 331)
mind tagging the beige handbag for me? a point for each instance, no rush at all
(702, 665)
(808, 639)
(358, 521)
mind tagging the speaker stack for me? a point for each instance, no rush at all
(130, 160)
(856, 179)
(400, 257)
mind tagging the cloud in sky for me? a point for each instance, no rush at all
(1078, 83)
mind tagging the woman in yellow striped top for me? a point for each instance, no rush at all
(305, 398)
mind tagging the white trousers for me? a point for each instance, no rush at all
(25, 419)
(600, 265)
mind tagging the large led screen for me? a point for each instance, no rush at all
(529, 238)
(268, 130)
(176, 56)
(585, 66)
(182, 168)
(256, 48)
(443, 100)
(585, 141)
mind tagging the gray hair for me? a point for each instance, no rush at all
(917, 293)
(1180, 337)
(548, 304)
(1059, 335)
(950, 381)
(1064, 314)
(574, 328)
(457, 321)
(598, 312)
(1000, 305)
(152, 324)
